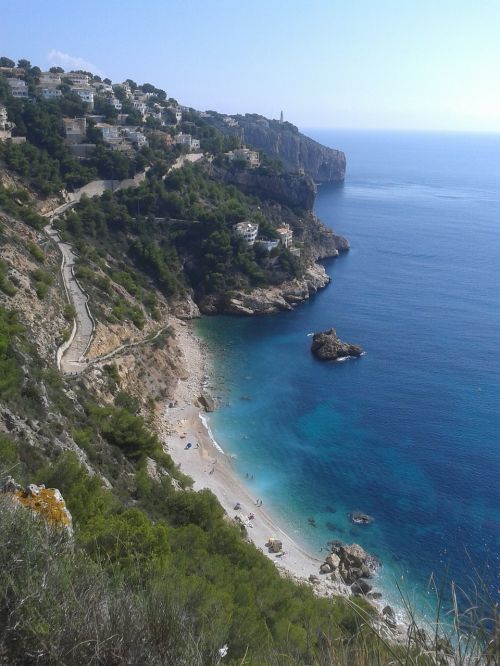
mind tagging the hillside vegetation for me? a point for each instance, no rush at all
(154, 572)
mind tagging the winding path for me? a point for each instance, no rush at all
(71, 354)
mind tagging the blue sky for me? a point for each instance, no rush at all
(388, 64)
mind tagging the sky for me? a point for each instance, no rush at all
(368, 64)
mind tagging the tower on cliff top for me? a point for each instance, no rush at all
(281, 117)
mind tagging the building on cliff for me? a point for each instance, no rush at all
(247, 230)
(285, 235)
(251, 157)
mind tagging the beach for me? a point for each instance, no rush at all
(205, 462)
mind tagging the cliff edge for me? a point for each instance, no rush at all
(283, 141)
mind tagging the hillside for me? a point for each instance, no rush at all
(152, 571)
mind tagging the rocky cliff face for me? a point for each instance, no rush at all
(284, 142)
(289, 189)
(270, 299)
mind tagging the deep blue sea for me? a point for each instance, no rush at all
(410, 432)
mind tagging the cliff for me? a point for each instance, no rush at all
(283, 141)
(292, 190)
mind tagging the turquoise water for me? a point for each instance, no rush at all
(410, 432)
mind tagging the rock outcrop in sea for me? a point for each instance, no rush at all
(327, 346)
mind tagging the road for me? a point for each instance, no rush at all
(71, 355)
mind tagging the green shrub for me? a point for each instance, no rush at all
(37, 252)
(69, 311)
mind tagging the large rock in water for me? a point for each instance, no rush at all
(327, 347)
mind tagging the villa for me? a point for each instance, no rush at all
(247, 230)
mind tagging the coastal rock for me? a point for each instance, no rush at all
(361, 587)
(389, 617)
(333, 560)
(375, 595)
(361, 518)
(326, 346)
(271, 299)
(206, 402)
(350, 563)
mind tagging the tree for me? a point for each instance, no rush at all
(24, 64)
(6, 62)
(56, 70)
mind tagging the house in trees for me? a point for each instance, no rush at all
(18, 88)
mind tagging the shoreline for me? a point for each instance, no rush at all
(211, 468)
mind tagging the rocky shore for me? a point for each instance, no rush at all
(268, 300)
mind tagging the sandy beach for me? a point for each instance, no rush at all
(210, 467)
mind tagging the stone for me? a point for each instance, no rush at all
(333, 560)
(375, 595)
(361, 518)
(274, 545)
(313, 579)
(326, 346)
(389, 617)
(10, 486)
(207, 402)
(361, 587)
(355, 555)
(326, 568)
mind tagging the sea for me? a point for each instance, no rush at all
(410, 432)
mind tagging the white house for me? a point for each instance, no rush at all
(3, 117)
(183, 139)
(51, 93)
(85, 94)
(230, 122)
(139, 106)
(247, 230)
(49, 80)
(76, 130)
(285, 235)
(77, 78)
(5, 125)
(267, 244)
(250, 156)
(18, 88)
(135, 136)
(115, 103)
(178, 113)
(110, 133)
